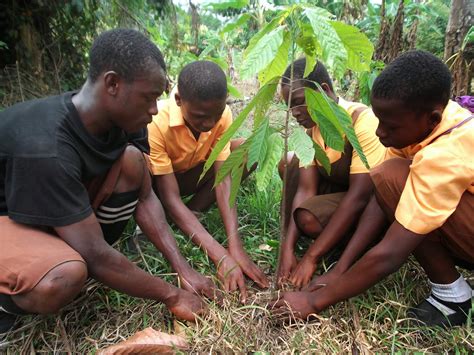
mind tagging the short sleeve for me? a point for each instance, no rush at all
(160, 161)
(226, 121)
(45, 191)
(374, 151)
(435, 185)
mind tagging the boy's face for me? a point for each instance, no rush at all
(201, 116)
(399, 126)
(136, 102)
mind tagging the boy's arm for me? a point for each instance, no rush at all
(371, 225)
(228, 270)
(382, 260)
(229, 218)
(346, 214)
(151, 218)
(307, 187)
(113, 269)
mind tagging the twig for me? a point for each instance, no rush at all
(64, 336)
(19, 81)
(360, 341)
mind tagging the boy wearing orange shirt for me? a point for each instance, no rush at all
(425, 192)
(181, 137)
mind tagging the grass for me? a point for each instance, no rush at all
(372, 322)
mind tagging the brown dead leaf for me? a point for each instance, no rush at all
(147, 341)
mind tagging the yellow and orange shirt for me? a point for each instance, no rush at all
(173, 148)
(364, 127)
(442, 170)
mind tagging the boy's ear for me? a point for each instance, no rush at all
(435, 118)
(327, 90)
(177, 98)
(111, 82)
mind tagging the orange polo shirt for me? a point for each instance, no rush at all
(365, 127)
(441, 171)
(173, 148)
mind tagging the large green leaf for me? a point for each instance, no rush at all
(263, 53)
(236, 158)
(268, 27)
(321, 157)
(334, 52)
(228, 134)
(302, 145)
(323, 115)
(269, 164)
(309, 45)
(278, 65)
(233, 90)
(346, 123)
(359, 48)
(258, 144)
(242, 19)
(266, 95)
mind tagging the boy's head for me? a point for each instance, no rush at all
(130, 73)
(319, 75)
(409, 97)
(202, 94)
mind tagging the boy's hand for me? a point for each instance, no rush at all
(291, 305)
(249, 268)
(288, 263)
(303, 271)
(185, 305)
(231, 276)
(194, 282)
(323, 280)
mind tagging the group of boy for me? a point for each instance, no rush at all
(75, 168)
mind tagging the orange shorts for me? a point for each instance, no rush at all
(28, 253)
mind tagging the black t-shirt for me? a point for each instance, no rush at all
(46, 155)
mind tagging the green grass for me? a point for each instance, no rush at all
(372, 322)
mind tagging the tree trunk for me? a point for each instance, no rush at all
(461, 64)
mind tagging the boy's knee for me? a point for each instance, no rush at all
(393, 172)
(57, 288)
(307, 223)
(131, 171)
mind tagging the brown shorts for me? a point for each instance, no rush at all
(456, 234)
(27, 254)
(322, 206)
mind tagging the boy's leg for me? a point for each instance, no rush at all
(39, 272)
(450, 297)
(204, 195)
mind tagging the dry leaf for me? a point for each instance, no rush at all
(148, 341)
(265, 247)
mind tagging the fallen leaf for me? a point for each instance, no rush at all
(265, 247)
(147, 341)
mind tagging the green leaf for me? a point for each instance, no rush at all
(322, 114)
(236, 178)
(302, 145)
(266, 95)
(346, 123)
(225, 138)
(334, 53)
(359, 48)
(233, 91)
(241, 20)
(469, 38)
(268, 27)
(258, 144)
(236, 158)
(278, 65)
(273, 155)
(321, 157)
(227, 4)
(263, 53)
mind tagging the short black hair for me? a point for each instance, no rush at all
(417, 78)
(126, 51)
(202, 80)
(319, 74)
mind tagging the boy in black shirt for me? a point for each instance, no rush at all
(72, 173)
